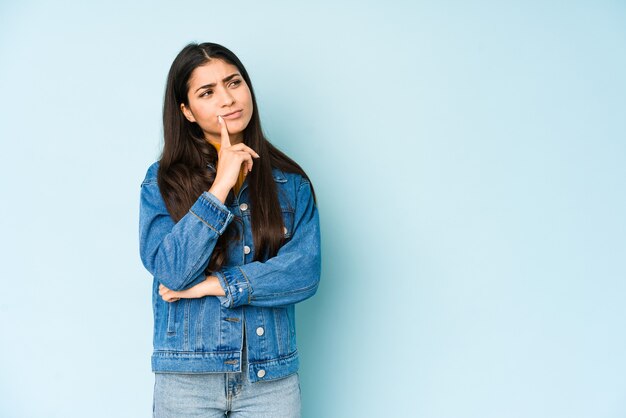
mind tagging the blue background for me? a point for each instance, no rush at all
(469, 160)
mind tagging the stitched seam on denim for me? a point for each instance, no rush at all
(277, 326)
(199, 323)
(229, 295)
(288, 328)
(194, 353)
(204, 222)
(293, 354)
(171, 312)
(310, 193)
(209, 202)
(186, 324)
(302, 184)
(301, 290)
(248, 284)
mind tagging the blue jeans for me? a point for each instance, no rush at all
(231, 394)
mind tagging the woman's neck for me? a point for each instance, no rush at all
(233, 140)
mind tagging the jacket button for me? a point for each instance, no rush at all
(284, 230)
(243, 206)
(246, 249)
(260, 331)
(260, 373)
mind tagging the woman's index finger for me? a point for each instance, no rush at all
(225, 137)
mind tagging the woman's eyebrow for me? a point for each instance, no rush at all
(213, 84)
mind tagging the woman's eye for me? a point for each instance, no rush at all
(209, 92)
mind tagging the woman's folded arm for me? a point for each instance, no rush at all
(176, 253)
(291, 276)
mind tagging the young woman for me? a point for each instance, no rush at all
(229, 229)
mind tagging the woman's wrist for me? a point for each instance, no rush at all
(213, 286)
(219, 192)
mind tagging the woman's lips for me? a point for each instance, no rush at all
(233, 115)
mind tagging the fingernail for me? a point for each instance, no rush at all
(219, 120)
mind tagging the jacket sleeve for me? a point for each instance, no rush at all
(291, 276)
(176, 254)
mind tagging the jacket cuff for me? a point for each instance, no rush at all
(212, 212)
(236, 287)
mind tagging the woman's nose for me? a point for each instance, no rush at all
(227, 99)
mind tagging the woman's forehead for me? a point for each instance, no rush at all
(214, 71)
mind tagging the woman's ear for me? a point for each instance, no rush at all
(187, 112)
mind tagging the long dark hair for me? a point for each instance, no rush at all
(183, 174)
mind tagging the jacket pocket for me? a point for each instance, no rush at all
(291, 321)
(171, 318)
(283, 331)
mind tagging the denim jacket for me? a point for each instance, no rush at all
(207, 334)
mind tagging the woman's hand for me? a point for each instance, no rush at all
(209, 287)
(172, 295)
(230, 159)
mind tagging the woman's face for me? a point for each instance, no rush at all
(217, 88)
